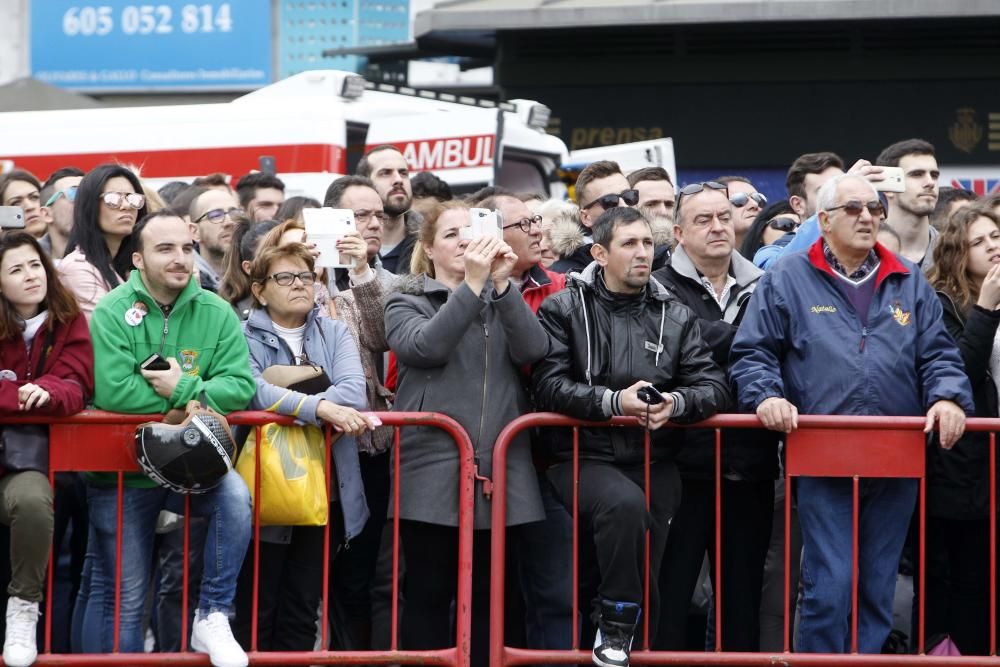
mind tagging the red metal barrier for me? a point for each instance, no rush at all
(817, 448)
(94, 441)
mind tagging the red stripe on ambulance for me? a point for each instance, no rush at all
(166, 163)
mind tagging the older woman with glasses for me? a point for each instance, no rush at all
(285, 329)
(109, 200)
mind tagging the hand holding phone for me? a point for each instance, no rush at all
(11, 217)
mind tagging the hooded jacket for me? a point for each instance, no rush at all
(604, 342)
(202, 333)
(958, 478)
(329, 344)
(459, 353)
(802, 340)
(750, 454)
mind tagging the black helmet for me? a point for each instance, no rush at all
(190, 457)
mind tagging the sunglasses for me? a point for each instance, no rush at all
(741, 199)
(132, 199)
(69, 193)
(695, 188)
(630, 197)
(854, 207)
(217, 215)
(286, 278)
(784, 224)
(525, 223)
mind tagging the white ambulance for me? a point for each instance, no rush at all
(308, 129)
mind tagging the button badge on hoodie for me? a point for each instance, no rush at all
(133, 317)
(7, 374)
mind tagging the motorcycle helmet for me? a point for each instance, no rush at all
(190, 457)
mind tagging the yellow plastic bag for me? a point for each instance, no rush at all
(293, 486)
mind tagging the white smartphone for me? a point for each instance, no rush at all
(483, 222)
(11, 217)
(326, 226)
(893, 180)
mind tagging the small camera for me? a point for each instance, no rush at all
(649, 395)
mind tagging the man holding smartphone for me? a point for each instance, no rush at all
(161, 315)
(910, 210)
(615, 331)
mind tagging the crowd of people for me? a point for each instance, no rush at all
(636, 298)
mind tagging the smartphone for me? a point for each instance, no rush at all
(155, 363)
(483, 222)
(893, 180)
(649, 395)
(324, 227)
(11, 217)
(267, 164)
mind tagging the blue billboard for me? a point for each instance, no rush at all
(117, 45)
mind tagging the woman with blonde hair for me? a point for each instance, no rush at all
(461, 332)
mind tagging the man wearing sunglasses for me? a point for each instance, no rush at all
(708, 275)
(849, 329)
(599, 187)
(58, 197)
(214, 214)
(910, 211)
(746, 201)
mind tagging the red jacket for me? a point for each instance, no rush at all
(68, 374)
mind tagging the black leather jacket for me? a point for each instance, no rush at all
(603, 342)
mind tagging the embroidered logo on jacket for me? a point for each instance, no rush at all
(901, 316)
(823, 309)
(189, 361)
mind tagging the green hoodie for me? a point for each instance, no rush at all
(202, 332)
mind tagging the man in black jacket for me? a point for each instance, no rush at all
(710, 277)
(613, 332)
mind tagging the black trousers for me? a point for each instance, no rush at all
(431, 585)
(747, 509)
(290, 590)
(614, 524)
(352, 571)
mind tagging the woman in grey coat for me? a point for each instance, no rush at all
(284, 329)
(461, 333)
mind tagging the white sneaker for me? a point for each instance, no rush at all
(212, 635)
(19, 647)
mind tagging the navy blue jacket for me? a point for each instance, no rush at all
(802, 340)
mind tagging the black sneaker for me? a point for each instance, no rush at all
(615, 630)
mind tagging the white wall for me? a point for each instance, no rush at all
(13, 39)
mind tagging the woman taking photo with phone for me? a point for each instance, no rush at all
(48, 364)
(109, 200)
(461, 331)
(966, 275)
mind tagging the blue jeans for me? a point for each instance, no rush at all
(227, 508)
(825, 508)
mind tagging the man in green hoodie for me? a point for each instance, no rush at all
(162, 310)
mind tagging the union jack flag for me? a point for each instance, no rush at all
(981, 186)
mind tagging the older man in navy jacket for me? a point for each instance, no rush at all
(849, 329)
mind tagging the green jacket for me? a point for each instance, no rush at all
(202, 332)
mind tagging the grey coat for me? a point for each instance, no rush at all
(458, 353)
(329, 344)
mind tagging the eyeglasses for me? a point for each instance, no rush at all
(69, 193)
(525, 223)
(217, 215)
(630, 197)
(741, 199)
(131, 199)
(286, 278)
(784, 224)
(854, 207)
(363, 216)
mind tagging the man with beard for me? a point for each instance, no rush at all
(910, 211)
(656, 202)
(388, 171)
(215, 214)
